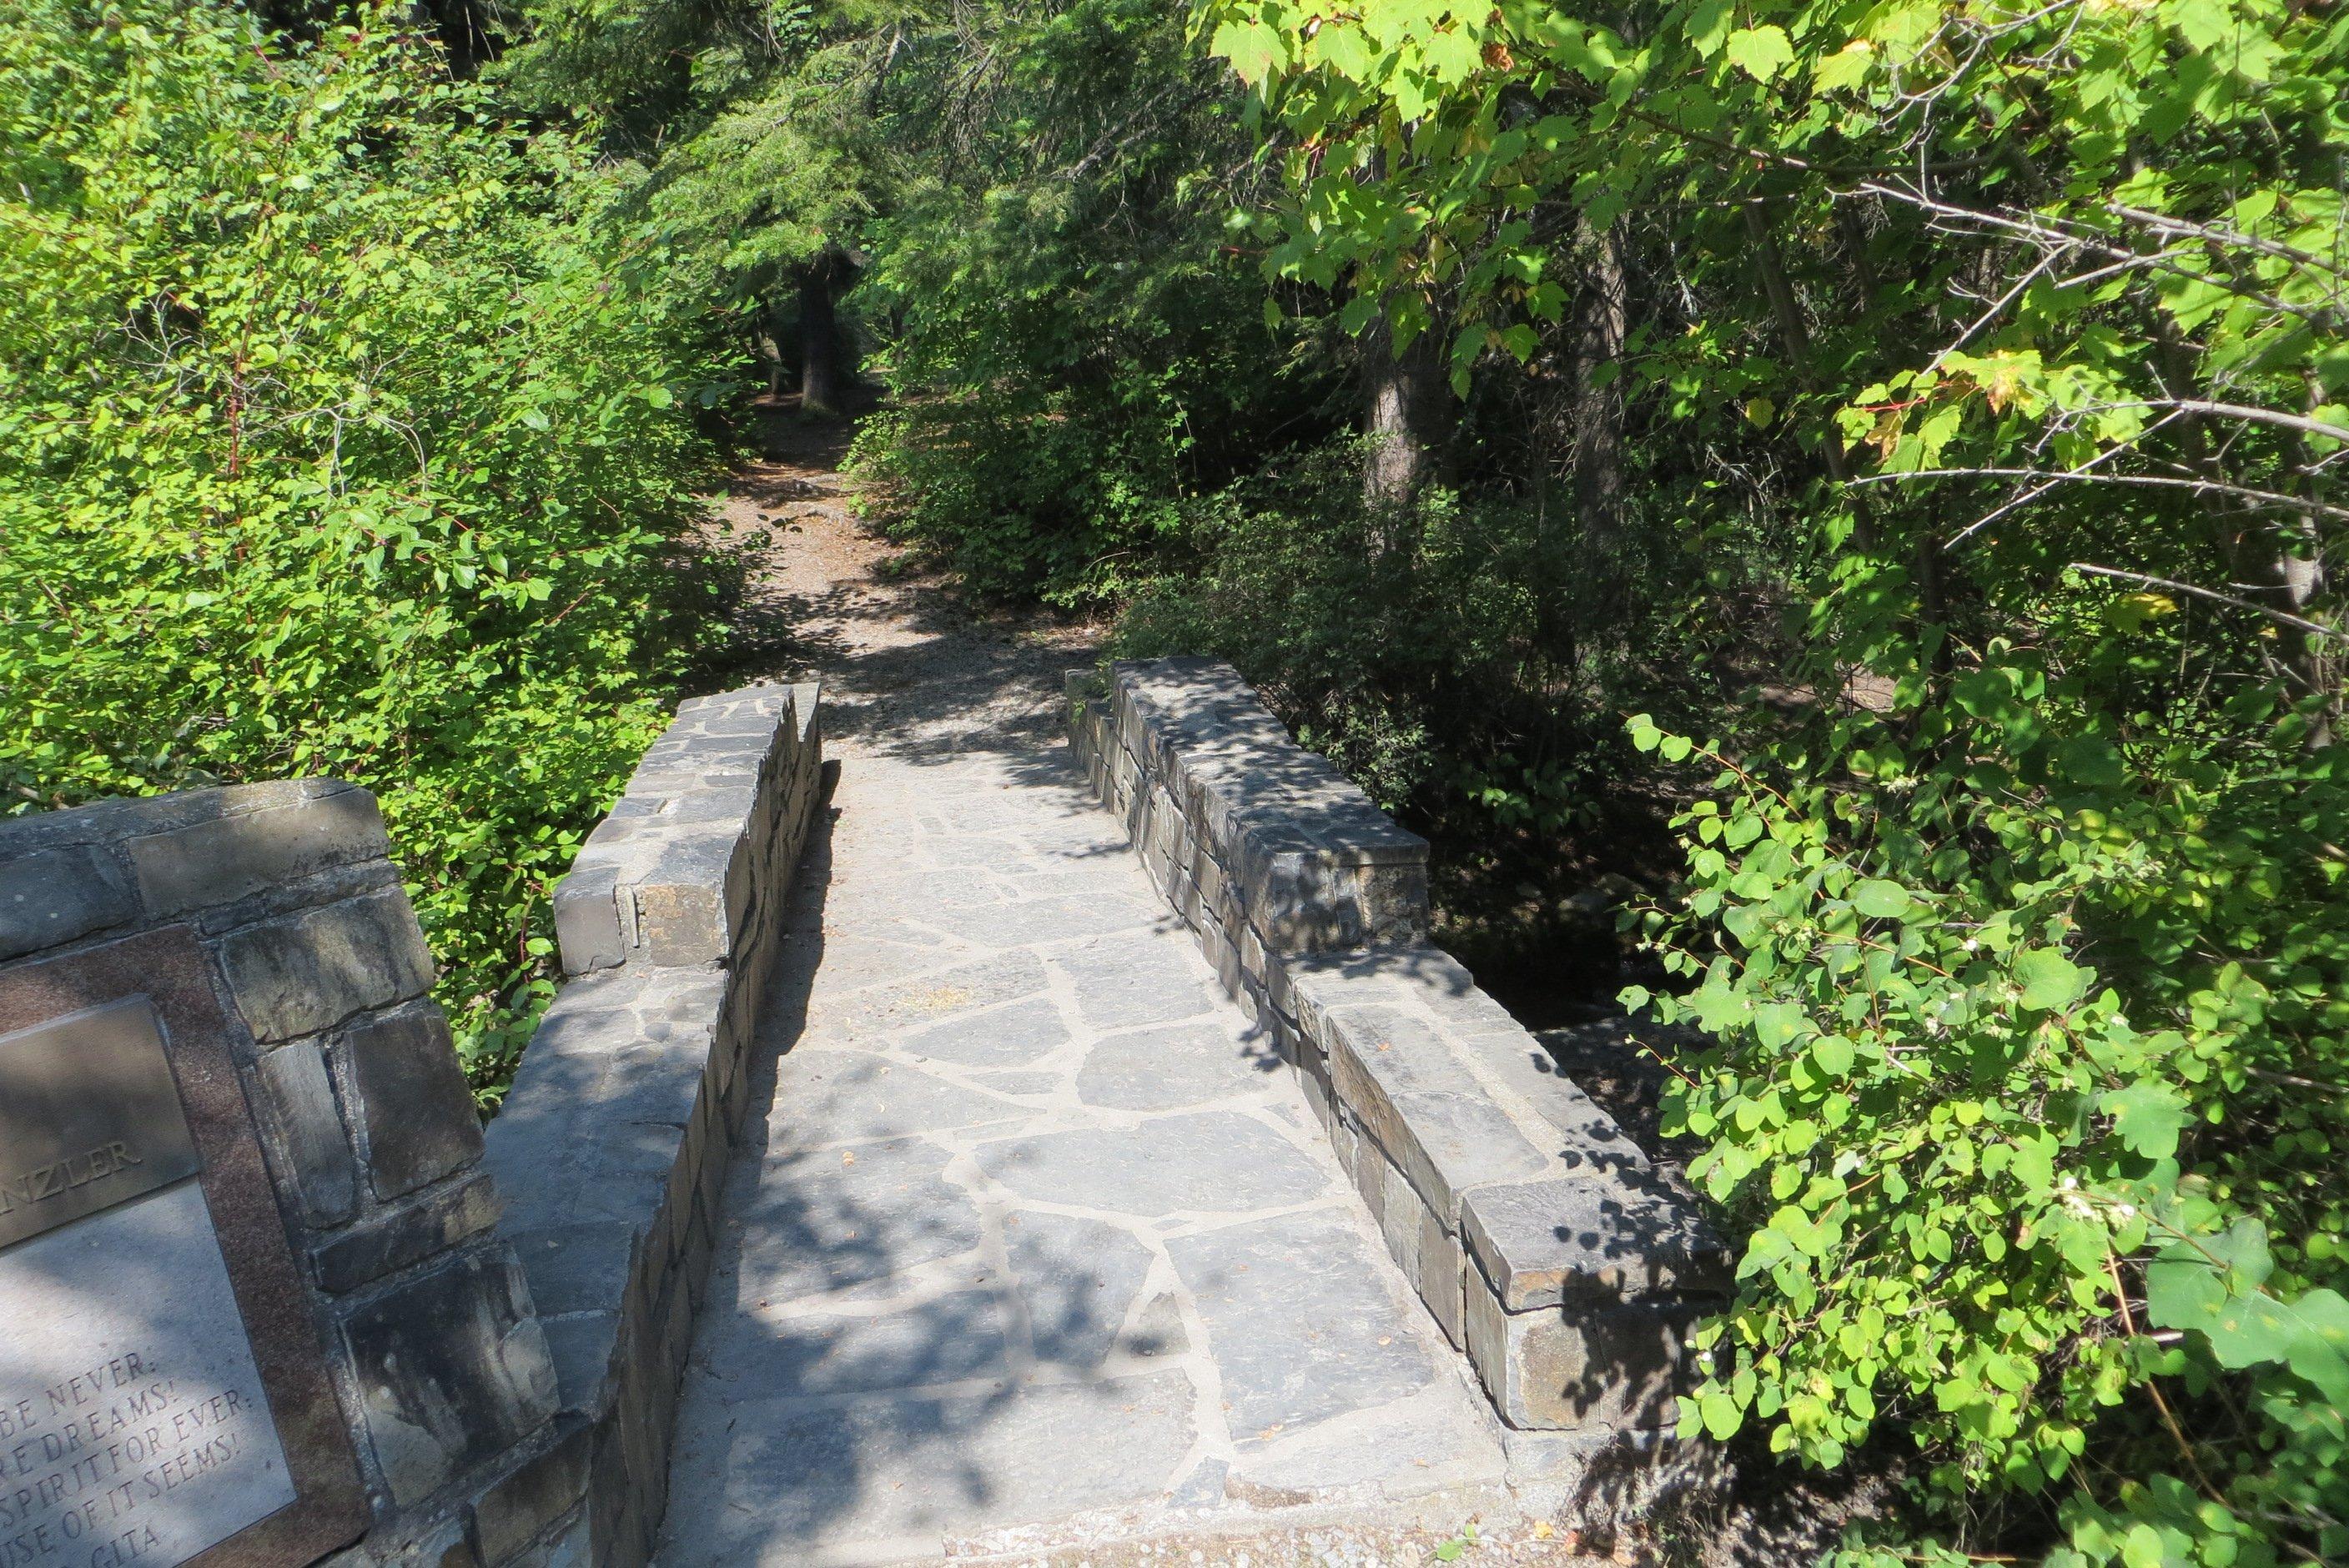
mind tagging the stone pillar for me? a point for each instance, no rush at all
(306, 941)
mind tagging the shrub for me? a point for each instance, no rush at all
(2028, 1018)
(337, 436)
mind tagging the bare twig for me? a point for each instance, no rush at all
(2081, 475)
(2143, 579)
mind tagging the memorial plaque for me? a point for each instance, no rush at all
(89, 1117)
(162, 1397)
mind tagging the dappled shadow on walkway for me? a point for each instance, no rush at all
(907, 671)
(884, 1402)
(1025, 1225)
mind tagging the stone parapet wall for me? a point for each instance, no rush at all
(368, 1136)
(1532, 1227)
(612, 1146)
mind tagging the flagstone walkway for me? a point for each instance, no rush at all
(1039, 1242)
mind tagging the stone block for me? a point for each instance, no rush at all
(1369, 1169)
(414, 1107)
(239, 853)
(406, 1237)
(52, 896)
(581, 1347)
(615, 1514)
(1395, 901)
(513, 1510)
(587, 919)
(581, 1268)
(1305, 1053)
(1400, 1213)
(573, 1546)
(452, 1369)
(1613, 1235)
(1221, 957)
(1345, 1138)
(1252, 955)
(1580, 1366)
(1317, 1095)
(306, 1135)
(310, 970)
(1405, 1083)
(1442, 1276)
(690, 906)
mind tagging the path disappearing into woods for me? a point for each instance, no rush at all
(1032, 1253)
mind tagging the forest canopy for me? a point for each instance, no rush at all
(1853, 485)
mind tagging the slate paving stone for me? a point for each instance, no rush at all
(1010, 1037)
(913, 1468)
(831, 1096)
(1170, 1068)
(822, 1219)
(1299, 1345)
(939, 994)
(1078, 1279)
(1214, 1161)
(1028, 1084)
(1123, 982)
(1051, 918)
(924, 894)
(952, 1338)
(852, 962)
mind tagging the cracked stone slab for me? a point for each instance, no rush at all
(1079, 1279)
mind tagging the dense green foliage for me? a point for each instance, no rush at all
(336, 436)
(1034, 197)
(1074, 356)
(2021, 944)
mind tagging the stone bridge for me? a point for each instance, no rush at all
(932, 1154)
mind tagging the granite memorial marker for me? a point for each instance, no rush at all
(163, 1400)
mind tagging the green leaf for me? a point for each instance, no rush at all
(2147, 1117)
(1760, 52)
(1847, 68)
(1880, 899)
(2050, 981)
(1833, 1053)
(1252, 48)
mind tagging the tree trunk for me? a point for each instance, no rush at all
(1601, 318)
(823, 376)
(771, 348)
(1407, 414)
